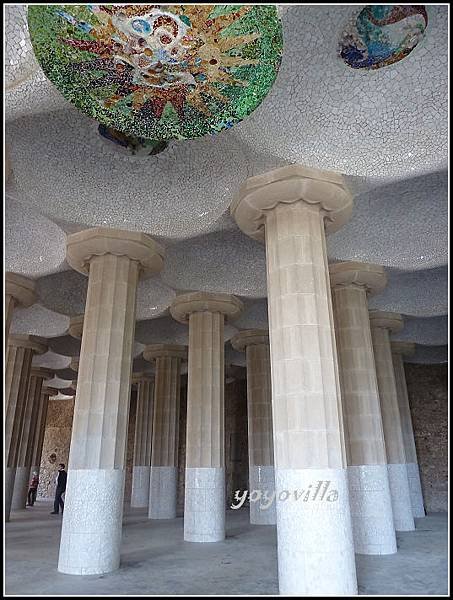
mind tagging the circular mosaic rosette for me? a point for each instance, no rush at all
(381, 35)
(160, 72)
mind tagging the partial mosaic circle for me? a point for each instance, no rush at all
(159, 71)
(382, 35)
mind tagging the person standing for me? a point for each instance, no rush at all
(33, 489)
(61, 488)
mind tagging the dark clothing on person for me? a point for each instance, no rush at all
(61, 488)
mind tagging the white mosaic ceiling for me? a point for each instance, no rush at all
(385, 129)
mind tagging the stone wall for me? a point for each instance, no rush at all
(130, 448)
(57, 440)
(428, 399)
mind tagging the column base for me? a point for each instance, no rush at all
(140, 487)
(10, 476)
(204, 504)
(262, 479)
(21, 482)
(401, 498)
(162, 492)
(415, 489)
(371, 510)
(314, 532)
(92, 522)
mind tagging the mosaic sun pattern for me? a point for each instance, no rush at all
(160, 72)
(382, 35)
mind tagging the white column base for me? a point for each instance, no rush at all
(315, 544)
(204, 505)
(401, 498)
(10, 476)
(371, 510)
(415, 489)
(20, 491)
(162, 492)
(92, 522)
(140, 486)
(262, 479)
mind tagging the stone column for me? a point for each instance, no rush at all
(382, 323)
(399, 349)
(255, 342)
(291, 208)
(28, 435)
(369, 491)
(164, 454)
(204, 506)
(17, 378)
(40, 429)
(19, 292)
(113, 260)
(143, 439)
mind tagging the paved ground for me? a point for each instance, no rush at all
(156, 560)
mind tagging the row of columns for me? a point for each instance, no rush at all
(330, 393)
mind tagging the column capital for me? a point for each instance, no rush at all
(42, 372)
(386, 320)
(154, 351)
(75, 328)
(344, 274)
(403, 348)
(250, 337)
(82, 246)
(141, 376)
(287, 185)
(49, 391)
(182, 306)
(21, 288)
(28, 341)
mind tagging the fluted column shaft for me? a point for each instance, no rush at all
(40, 428)
(371, 505)
(164, 456)
(306, 405)
(396, 458)
(142, 444)
(27, 440)
(17, 377)
(413, 471)
(255, 342)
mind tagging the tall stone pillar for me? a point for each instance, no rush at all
(382, 323)
(399, 349)
(255, 342)
(19, 292)
(17, 378)
(369, 491)
(204, 506)
(40, 428)
(143, 439)
(164, 454)
(28, 435)
(291, 208)
(113, 260)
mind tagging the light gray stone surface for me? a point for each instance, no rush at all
(401, 498)
(204, 505)
(140, 486)
(92, 522)
(262, 479)
(162, 492)
(371, 510)
(315, 542)
(415, 488)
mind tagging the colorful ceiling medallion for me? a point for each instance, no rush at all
(160, 72)
(382, 35)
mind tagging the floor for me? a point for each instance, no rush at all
(156, 560)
